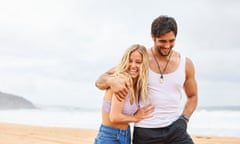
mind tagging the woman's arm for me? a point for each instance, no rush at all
(117, 116)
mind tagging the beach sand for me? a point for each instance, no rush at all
(26, 134)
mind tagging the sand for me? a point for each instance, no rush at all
(26, 134)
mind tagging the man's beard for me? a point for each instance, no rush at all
(162, 54)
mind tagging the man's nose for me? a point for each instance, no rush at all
(167, 45)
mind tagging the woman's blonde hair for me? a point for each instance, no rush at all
(139, 90)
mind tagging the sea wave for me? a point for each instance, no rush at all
(204, 121)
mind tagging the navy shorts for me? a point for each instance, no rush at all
(176, 133)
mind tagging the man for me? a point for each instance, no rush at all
(169, 73)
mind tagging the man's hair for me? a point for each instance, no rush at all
(163, 24)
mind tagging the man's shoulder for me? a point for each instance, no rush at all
(188, 61)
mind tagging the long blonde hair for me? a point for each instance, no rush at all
(139, 90)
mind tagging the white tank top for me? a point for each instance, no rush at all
(165, 97)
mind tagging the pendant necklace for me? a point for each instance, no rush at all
(164, 69)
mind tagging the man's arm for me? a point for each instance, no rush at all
(103, 82)
(190, 87)
(119, 86)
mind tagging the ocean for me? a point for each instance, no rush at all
(214, 121)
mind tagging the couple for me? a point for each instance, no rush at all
(145, 88)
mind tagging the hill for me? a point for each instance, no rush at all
(10, 101)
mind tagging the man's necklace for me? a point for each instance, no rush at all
(164, 69)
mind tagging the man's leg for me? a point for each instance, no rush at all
(179, 133)
(150, 135)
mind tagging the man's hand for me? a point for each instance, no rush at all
(120, 87)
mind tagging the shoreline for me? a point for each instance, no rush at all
(28, 134)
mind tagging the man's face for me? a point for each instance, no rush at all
(164, 43)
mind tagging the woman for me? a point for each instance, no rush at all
(116, 114)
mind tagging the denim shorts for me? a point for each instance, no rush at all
(111, 135)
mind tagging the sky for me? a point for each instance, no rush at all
(52, 51)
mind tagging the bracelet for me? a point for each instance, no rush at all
(185, 117)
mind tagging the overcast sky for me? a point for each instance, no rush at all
(52, 51)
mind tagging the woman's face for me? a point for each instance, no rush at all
(135, 63)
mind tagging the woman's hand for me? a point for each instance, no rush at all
(144, 112)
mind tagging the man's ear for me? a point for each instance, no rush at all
(152, 36)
